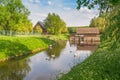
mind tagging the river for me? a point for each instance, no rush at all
(49, 64)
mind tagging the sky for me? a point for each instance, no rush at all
(66, 9)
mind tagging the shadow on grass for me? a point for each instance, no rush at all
(9, 48)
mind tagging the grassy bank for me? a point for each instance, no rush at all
(103, 64)
(11, 46)
(51, 37)
(58, 37)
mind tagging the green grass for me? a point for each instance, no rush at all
(52, 37)
(103, 64)
(58, 37)
(10, 46)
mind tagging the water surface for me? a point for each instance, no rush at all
(46, 65)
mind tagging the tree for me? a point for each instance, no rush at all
(72, 29)
(103, 5)
(111, 9)
(98, 22)
(54, 24)
(13, 13)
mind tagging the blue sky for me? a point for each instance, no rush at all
(66, 9)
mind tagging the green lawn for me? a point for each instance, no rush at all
(103, 64)
(58, 37)
(11, 46)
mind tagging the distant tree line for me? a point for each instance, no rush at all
(14, 17)
(72, 29)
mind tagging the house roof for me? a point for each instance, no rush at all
(87, 31)
(40, 23)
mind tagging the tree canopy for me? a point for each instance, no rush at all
(14, 16)
(103, 5)
(98, 22)
(54, 24)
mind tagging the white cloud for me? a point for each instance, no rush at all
(37, 1)
(35, 17)
(40, 14)
(49, 3)
(77, 18)
(71, 16)
(34, 1)
(30, 0)
(67, 8)
(85, 9)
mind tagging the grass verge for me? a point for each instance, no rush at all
(103, 64)
(11, 46)
(58, 37)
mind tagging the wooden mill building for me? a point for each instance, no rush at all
(39, 26)
(86, 36)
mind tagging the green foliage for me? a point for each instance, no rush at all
(103, 64)
(98, 22)
(11, 46)
(13, 16)
(72, 29)
(103, 5)
(54, 24)
(108, 23)
(58, 37)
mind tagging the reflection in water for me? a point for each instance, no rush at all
(46, 65)
(14, 70)
(87, 47)
(92, 46)
(55, 50)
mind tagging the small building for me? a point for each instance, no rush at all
(87, 36)
(39, 28)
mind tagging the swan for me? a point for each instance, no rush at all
(75, 55)
(50, 46)
(47, 58)
(53, 56)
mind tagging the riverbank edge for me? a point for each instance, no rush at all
(53, 38)
(26, 52)
(23, 54)
(96, 66)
